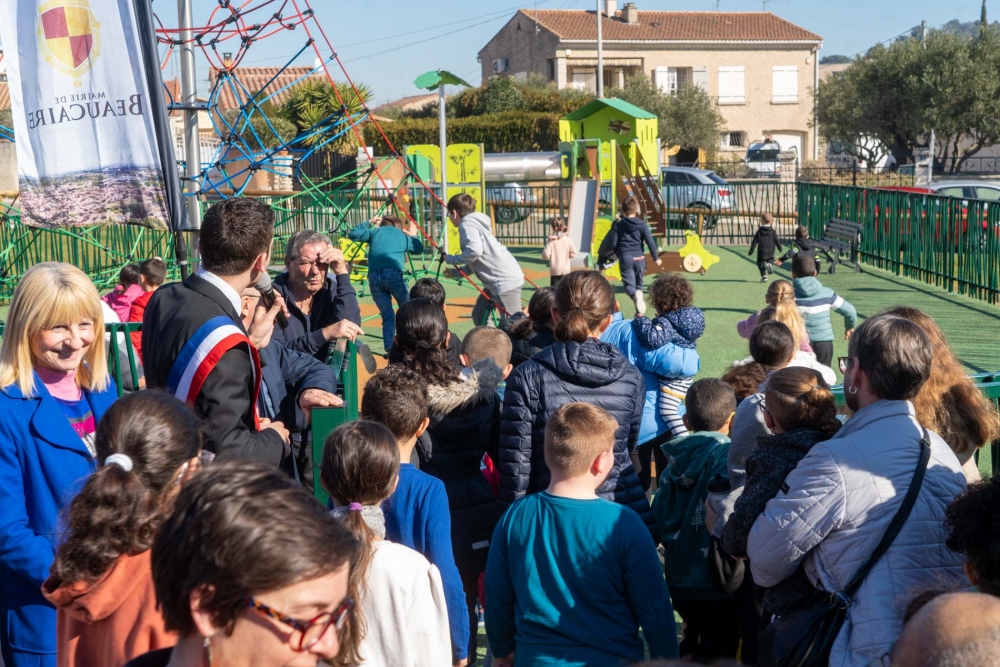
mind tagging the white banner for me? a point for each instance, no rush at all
(86, 140)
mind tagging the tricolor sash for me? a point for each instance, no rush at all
(202, 352)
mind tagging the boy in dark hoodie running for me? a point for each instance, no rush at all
(765, 241)
(496, 268)
(630, 233)
(802, 245)
(712, 629)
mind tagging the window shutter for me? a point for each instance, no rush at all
(785, 84)
(661, 78)
(699, 77)
(731, 85)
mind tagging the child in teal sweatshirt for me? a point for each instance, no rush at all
(815, 303)
(711, 625)
(387, 248)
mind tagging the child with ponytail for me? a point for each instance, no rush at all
(578, 367)
(148, 445)
(800, 411)
(401, 617)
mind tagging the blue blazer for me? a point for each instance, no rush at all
(43, 463)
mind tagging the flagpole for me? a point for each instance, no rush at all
(189, 93)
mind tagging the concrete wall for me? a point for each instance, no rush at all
(526, 50)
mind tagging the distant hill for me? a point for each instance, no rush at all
(969, 28)
(835, 59)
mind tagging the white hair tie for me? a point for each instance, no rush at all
(121, 460)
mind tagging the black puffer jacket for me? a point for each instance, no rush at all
(591, 372)
(465, 424)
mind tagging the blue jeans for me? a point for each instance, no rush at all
(386, 285)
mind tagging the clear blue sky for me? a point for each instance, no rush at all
(367, 28)
(364, 31)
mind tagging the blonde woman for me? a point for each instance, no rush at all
(53, 390)
(778, 291)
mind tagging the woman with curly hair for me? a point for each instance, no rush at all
(949, 403)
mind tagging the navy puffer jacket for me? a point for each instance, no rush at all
(566, 372)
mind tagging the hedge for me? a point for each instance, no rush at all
(511, 132)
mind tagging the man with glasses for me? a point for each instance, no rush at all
(316, 286)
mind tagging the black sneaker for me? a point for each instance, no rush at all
(763, 279)
(770, 269)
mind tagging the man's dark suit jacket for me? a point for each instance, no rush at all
(226, 402)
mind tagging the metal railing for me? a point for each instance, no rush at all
(948, 242)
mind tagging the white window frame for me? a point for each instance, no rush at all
(785, 84)
(671, 80)
(732, 73)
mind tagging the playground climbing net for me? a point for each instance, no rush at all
(247, 142)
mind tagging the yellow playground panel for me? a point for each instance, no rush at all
(464, 172)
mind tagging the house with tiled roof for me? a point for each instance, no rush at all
(273, 80)
(759, 69)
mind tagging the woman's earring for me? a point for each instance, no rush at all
(852, 390)
(208, 649)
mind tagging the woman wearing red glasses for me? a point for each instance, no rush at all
(250, 571)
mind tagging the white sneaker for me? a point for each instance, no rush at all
(640, 304)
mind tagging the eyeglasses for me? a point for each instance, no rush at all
(844, 362)
(310, 632)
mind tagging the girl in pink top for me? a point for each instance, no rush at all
(558, 251)
(128, 290)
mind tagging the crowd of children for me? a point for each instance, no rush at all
(509, 476)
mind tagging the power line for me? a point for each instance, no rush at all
(908, 31)
(429, 39)
(494, 16)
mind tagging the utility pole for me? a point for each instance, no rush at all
(442, 139)
(600, 55)
(923, 33)
(189, 94)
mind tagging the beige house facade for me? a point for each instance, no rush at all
(759, 69)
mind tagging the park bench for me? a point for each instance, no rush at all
(840, 243)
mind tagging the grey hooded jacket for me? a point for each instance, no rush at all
(834, 509)
(489, 259)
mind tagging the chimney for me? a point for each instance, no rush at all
(630, 13)
(610, 8)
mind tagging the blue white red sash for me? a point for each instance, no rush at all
(202, 352)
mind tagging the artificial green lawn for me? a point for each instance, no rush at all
(731, 290)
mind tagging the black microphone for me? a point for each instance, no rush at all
(263, 285)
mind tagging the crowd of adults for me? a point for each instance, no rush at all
(123, 541)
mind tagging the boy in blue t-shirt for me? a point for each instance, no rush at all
(710, 616)
(416, 514)
(572, 577)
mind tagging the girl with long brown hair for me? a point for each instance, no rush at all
(401, 617)
(949, 403)
(578, 367)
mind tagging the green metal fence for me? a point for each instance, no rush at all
(944, 241)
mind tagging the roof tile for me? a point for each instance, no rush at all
(673, 26)
(255, 78)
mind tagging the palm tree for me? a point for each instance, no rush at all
(316, 105)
